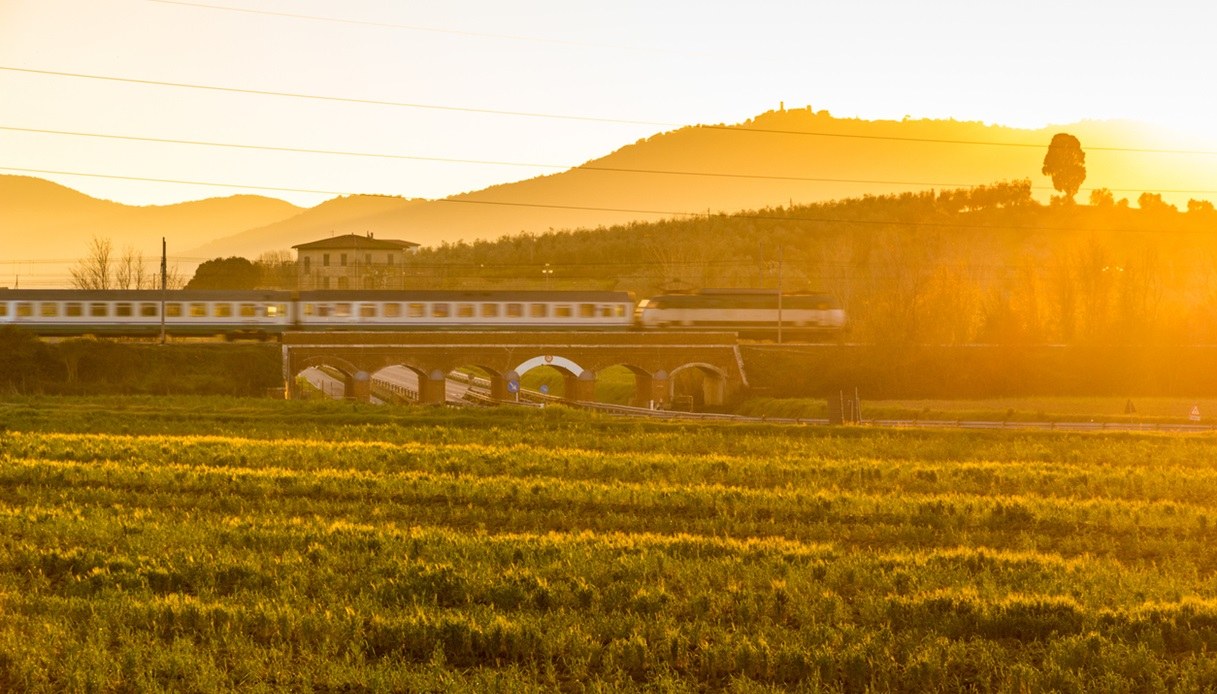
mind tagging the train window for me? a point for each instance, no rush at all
(148, 310)
(587, 310)
(248, 310)
(48, 309)
(3, 310)
(465, 310)
(122, 310)
(173, 310)
(73, 309)
(342, 310)
(563, 311)
(273, 310)
(323, 310)
(515, 310)
(367, 310)
(440, 310)
(308, 310)
(416, 310)
(490, 310)
(393, 310)
(198, 310)
(25, 309)
(538, 310)
(620, 311)
(221, 310)
(98, 310)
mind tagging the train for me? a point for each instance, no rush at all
(266, 314)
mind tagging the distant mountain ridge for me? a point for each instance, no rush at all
(41, 220)
(777, 159)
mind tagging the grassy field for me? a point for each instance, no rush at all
(220, 545)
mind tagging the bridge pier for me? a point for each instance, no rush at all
(359, 387)
(498, 387)
(433, 388)
(651, 389)
(581, 388)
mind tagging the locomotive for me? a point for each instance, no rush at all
(267, 313)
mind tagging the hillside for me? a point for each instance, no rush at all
(777, 159)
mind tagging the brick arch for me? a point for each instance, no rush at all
(713, 389)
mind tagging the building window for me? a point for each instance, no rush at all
(325, 282)
(344, 282)
(307, 262)
(367, 259)
(389, 259)
(325, 260)
(342, 260)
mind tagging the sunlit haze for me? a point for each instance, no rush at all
(544, 83)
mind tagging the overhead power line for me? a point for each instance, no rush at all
(580, 118)
(571, 167)
(550, 206)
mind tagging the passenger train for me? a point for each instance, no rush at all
(266, 314)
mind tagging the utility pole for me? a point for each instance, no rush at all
(780, 295)
(164, 286)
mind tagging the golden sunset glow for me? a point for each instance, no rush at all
(591, 80)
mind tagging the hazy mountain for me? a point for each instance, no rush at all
(353, 214)
(41, 220)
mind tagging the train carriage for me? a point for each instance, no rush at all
(473, 310)
(138, 312)
(747, 311)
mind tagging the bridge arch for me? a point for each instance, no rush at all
(705, 382)
(557, 362)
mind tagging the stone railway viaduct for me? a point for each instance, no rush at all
(654, 358)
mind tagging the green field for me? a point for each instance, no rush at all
(242, 545)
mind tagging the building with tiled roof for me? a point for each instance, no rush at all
(352, 261)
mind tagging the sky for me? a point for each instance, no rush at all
(458, 95)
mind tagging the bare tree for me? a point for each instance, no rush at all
(132, 272)
(94, 270)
